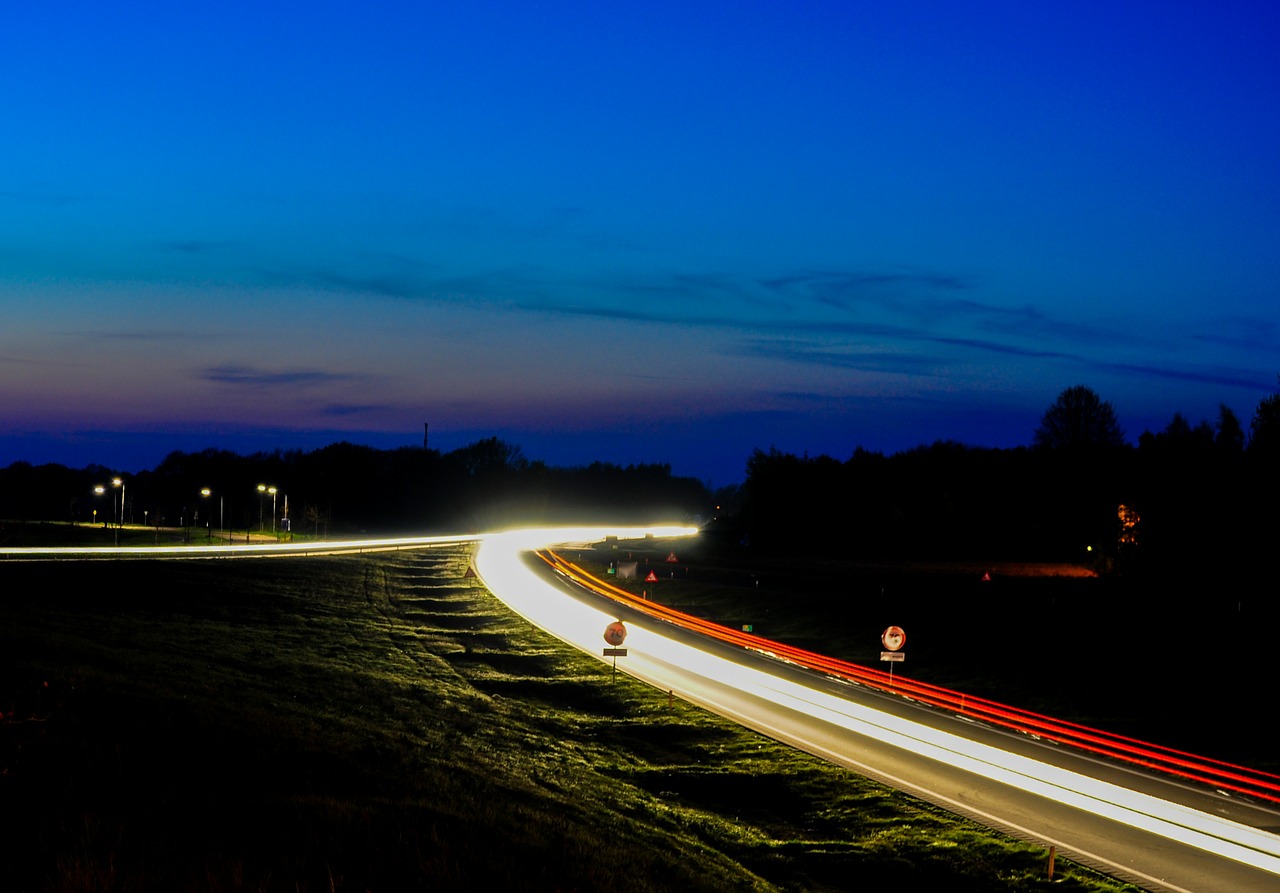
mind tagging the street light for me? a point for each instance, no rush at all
(117, 482)
(263, 490)
(206, 493)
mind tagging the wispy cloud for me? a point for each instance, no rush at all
(1234, 378)
(847, 290)
(928, 362)
(997, 347)
(823, 317)
(863, 360)
(343, 410)
(153, 335)
(1252, 335)
(247, 376)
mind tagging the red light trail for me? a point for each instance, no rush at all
(1218, 774)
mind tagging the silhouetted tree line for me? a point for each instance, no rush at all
(344, 487)
(1189, 497)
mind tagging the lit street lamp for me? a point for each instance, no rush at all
(117, 482)
(208, 526)
(263, 490)
(221, 514)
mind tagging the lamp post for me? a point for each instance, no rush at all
(221, 513)
(205, 492)
(99, 490)
(118, 482)
(263, 490)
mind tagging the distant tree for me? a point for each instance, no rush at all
(1178, 428)
(1180, 437)
(1264, 431)
(490, 455)
(1230, 434)
(1079, 419)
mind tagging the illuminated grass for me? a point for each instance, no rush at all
(381, 723)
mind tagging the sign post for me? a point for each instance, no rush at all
(614, 635)
(893, 639)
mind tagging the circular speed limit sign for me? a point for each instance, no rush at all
(893, 638)
(615, 633)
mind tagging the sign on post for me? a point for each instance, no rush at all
(614, 635)
(893, 639)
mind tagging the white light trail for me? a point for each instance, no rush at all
(501, 567)
(500, 564)
(233, 551)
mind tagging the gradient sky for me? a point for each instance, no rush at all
(652, 232)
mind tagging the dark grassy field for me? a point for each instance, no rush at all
(378, 723)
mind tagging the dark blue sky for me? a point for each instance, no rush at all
(667, 232)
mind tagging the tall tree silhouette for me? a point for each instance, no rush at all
(1264, 431)
(1079, 419)
(1230, 434)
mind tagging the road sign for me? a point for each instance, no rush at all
(893, 638)
(615, 652)
(671, 559)
(897, 656)
(615, 633)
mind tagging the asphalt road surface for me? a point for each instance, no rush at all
(1151, 830)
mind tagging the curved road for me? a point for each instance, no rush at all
(1154, 831)
(1149, 829)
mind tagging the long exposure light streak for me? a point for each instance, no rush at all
(500, 565)
(1216, 773)
(248, 550)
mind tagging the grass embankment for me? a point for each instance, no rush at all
(378, 723)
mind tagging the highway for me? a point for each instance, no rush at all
(1155, 829)
(1154, 817)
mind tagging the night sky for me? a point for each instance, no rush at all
(651, 232)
